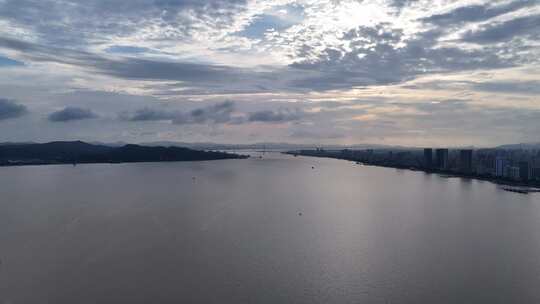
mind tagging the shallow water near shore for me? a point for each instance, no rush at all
(277, 229)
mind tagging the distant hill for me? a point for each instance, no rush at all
(524, 146)
(264, 145)
(80, 152)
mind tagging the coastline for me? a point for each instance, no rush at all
(78, 152)
(45, 163)
(521, 187)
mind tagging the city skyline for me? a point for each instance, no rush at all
(499, 165)
(393, 72)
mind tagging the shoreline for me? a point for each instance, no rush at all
(78, 152)
(525, 186)
(45, 163)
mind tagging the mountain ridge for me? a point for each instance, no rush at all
(62, 152)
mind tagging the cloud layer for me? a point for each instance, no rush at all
(70, 114)
(10, 109)
(220, 113)
(340, 71)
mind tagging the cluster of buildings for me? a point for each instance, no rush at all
(516, 165)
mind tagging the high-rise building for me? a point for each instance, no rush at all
(465, 161)
(513, 172)
(484, 164)
(524, 170)
(489, 163)
(500, 166)
(535, 173)
(428, 158)
(442, 158)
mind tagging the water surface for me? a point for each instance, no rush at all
(231, 232)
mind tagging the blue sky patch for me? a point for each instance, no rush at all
(280, 18)
(126, 49)
(7, 62)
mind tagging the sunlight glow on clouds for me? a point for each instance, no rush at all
(332, 71)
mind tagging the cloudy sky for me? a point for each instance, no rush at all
(408, 72)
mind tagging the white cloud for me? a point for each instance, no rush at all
(265, 53)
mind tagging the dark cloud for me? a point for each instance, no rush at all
(377, 64)
(376, 59)
(402, 3)
(527, 26)
(201, 78)
(10, 109)
(476, 13)
(86, 43)
(162, 70)
(70, 114)
(218, 114)
(148, 114)
(128, 68)
(379, 55)
(73, 22)
(275, 116)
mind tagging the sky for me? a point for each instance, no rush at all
(398, 72)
